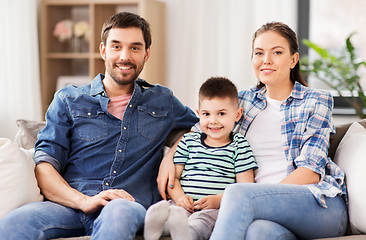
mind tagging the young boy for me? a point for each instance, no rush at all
(205, 163)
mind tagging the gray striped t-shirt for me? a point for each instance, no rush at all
(208, 170)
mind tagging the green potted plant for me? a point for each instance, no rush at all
(341, 72)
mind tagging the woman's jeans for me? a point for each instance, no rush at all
(277, 211)
(119, 219)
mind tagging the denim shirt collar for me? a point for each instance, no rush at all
(97, 86)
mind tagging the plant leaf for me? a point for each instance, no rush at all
(321, 51)
(350, 47)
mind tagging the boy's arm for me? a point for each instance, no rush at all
(245, 177)
(176, 193)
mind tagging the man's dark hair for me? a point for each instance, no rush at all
(125, 20)
(219, 87)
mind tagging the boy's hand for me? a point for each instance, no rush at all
(186, 202)
(209, 202)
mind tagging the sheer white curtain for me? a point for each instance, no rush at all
(213, 38)
(19, 64)
(204, 38)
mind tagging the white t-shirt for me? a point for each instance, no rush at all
(265, 139)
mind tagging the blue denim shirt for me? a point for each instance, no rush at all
(95, 151)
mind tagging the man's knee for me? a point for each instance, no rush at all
(121, 207)
(120, 219)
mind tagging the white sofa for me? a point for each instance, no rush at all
(18, 183)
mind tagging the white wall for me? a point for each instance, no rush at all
(213, 37)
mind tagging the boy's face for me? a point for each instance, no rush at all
(217, 119)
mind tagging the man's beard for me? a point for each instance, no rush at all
(121, 79)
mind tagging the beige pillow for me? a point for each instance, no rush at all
(18, 184)
(26, 135)
(350, 157)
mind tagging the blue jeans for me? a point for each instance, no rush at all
(119, 219)
(277, 211)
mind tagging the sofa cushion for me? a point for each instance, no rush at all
(26, 135)
(335, 139)
(18, 184)
(350, 157)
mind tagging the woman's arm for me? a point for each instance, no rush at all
(177, 194)
(176, 191)
(167, 171)
(302, 176)
(312, 160)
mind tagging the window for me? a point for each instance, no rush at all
(330, 22)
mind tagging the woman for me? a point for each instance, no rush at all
(299, 192)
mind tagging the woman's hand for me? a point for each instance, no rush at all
(166, 172)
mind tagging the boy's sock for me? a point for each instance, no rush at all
(178, 223)
(156, 217)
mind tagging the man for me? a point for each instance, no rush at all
(98, 156)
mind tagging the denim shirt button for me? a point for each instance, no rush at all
(107, 184)
(130, 105)
(119, 150)
(124, 128)
(153, 113)
(114, 171)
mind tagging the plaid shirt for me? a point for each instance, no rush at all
(306, 125)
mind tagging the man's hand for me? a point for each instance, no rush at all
(97, 202)
(186, 202)
(209, 202)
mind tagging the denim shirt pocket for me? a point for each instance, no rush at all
(151, 121)
(90, 124)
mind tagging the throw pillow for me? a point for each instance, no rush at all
(26, 136)
(341, 129)
(18, 184)
(350, 157)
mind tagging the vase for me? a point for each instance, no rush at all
(76, 45)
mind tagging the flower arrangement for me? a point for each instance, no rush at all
(67, 29)
(63, 30)
(81, 28)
